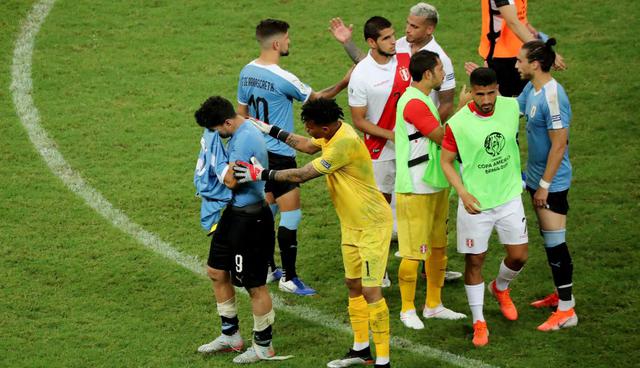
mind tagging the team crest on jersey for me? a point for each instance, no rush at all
(404, 73)
(325, 164)
(532, 112)
(469, 243)
(494, 143)
(423, 249)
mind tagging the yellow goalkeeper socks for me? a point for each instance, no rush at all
(407, 276)
(436, 267)
(359, 317)
(379, 324)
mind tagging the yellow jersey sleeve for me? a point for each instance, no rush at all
(334, 156)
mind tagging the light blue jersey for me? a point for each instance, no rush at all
(269, 91)
(247, 142)
(208, 178)
(547, 109)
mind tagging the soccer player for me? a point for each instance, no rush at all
(422, 203)
(243, 239)
(421, 24)
(365, 217)
(484, 134)
(266, 92)
(504, 29)
(546, 107)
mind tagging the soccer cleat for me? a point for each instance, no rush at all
(254, 354)
(353, 357)
(223, 344)
(441, 312)
(560, 319)
(274, 275)
(549, 301)
(452, 275)
(386, 281)
(411, 320)
(296, 286)
(397, 254)
(507, 307)
(480, 334)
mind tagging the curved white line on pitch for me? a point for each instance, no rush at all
(22, 89)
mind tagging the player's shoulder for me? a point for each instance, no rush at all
(402, 45)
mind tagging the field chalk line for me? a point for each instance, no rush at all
(22, 89)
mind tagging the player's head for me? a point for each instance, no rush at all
(421, 22)
(380, 36)
(484, 89)
(320, 116)
(273, 34)
(535, 56)
(425, 66)
(216, 114)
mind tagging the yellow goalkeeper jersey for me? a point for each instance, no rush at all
(347, 165)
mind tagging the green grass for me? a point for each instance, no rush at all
(116, 84)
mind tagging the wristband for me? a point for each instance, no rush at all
(267, 175)
(278, 133)
(544, 184)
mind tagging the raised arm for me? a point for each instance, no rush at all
(295, 141)
(331, 92)
(342, 34)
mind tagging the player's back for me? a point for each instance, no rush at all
(349, 169)
(268, 92)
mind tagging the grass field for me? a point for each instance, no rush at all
(116, 83)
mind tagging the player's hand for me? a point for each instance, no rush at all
(470, 66)
(245, 172)
(340, 31)
(559, 63)
(540, 198)
(465, 96)
(470, 203)
(261, 125)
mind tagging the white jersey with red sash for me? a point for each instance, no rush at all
(378, 88)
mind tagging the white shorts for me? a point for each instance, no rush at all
(384, 173)
(474, 230)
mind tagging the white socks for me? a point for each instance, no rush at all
(475, 297)
(505, 275)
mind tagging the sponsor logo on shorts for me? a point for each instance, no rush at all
(469, 243)
(423, 249)
(325, 164)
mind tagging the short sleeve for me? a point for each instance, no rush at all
(417, 113)
(295, 89)
(242, 95)
(449, 81)
(334, 157)
(449, 141)
(357, 92)
(558, 112)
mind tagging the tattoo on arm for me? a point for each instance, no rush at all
(302, 144)
(354, 52)
(299, 175)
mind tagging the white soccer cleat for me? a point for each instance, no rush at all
(296, 286)
(353, 357)
(223, 344)
(441, 312)
(411, 320)
(397, 254)
(274, 275)
(254, 354)
(452, 275)
(386, 281)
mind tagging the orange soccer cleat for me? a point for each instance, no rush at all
(507, 307)
(548, 301)
(480, 334)
(560, 319)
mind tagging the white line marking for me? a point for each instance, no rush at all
(21, 89)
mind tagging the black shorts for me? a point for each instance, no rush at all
(558, 201)
(242, 243)
(280, 162)
(509, 80)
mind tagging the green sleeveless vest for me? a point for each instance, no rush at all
(489, 152)
(433, 173)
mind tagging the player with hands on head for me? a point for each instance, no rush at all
(365, 217)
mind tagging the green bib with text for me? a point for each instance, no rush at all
(489, 151)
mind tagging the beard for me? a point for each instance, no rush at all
(284, 53)
(386, 54)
